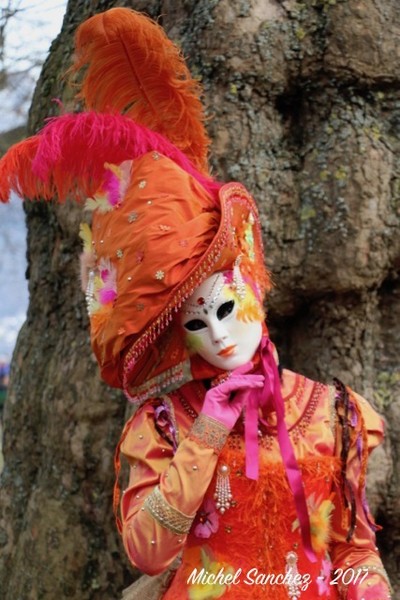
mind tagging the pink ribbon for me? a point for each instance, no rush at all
(271, 395)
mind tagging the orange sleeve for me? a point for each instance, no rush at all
(165, 489)
(360, 553)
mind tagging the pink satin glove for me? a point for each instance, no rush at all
(225, 402)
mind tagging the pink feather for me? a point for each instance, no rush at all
(111, 187)
(107, 295)
(74, 147)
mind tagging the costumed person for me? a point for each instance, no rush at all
(249, 474)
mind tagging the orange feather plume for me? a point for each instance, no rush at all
(131, 67)
(16, 172)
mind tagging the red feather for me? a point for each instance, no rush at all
(131, 67)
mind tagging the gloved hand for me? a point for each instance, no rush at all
(225, 402)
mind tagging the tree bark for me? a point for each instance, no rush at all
(304, 109)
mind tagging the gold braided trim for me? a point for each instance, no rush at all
(169, 517)
(209, 433)
(375, 570)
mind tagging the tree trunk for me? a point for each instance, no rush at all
(304, 109)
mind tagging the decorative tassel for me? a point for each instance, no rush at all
(293, 582)
(223, 494)
(131, 67)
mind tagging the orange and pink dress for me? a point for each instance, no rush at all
(253, 548)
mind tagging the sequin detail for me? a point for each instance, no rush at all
(133, 217)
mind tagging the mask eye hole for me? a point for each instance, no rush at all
(225, 309)
(195, 325)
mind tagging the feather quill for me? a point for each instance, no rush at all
(130, 66)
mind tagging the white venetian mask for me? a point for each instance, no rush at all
(222, 326)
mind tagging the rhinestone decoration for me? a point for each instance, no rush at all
(159, 275)
(206, 303)
(90, 291)
(120, 253)
(142, 184)
(133, 217)
(156, 156)
(238, 282)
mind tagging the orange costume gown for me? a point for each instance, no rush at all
(169, 507)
